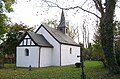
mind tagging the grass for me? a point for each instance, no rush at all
(93, 70)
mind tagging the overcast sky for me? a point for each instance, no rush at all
(33, 12)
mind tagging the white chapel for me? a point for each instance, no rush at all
(47, 46)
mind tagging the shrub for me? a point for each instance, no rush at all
(78, 65)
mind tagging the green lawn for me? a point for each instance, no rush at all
(93, 70)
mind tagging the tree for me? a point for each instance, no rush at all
(117, 50)
(85, 33)
(13, 36)
(97, 49)
(107, 35)
(117, 41)
(5, 7)
(52, 23)
(106, 9)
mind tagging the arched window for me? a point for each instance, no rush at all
(26, 52)
(66, 30)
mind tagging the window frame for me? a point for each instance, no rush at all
(26, 52)
(70, 50)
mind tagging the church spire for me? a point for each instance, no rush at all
(62, 26)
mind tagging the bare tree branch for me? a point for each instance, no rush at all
(52, 4)
(82, 9)
(84, 3)
(99, 6)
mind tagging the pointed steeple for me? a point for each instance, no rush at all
(62, 26)
(62, 20)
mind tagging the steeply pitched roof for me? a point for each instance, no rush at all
(62, 20)
(39, 40)
(62, 26)
(59, 36)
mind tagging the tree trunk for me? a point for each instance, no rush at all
(107, 36)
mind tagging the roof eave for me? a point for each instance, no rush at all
(46, 46)
(70, 44)
(55, 38)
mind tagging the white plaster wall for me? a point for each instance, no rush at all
(25, 61)
(54, 43)
(66, 57)
(27, 36)
(45, 57)
(28, 43)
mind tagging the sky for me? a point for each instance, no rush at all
(24, 11)
(33, 12)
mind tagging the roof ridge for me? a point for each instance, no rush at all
(60, 37)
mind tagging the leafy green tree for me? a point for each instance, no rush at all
(106, 32)
(117, 50)
(87, 52)
(13, 36)
(117, 40)
(98, 52)
(5, 7)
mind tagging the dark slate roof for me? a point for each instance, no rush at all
(59, 36)
(39, 40)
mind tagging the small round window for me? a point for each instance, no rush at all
(26, 52)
